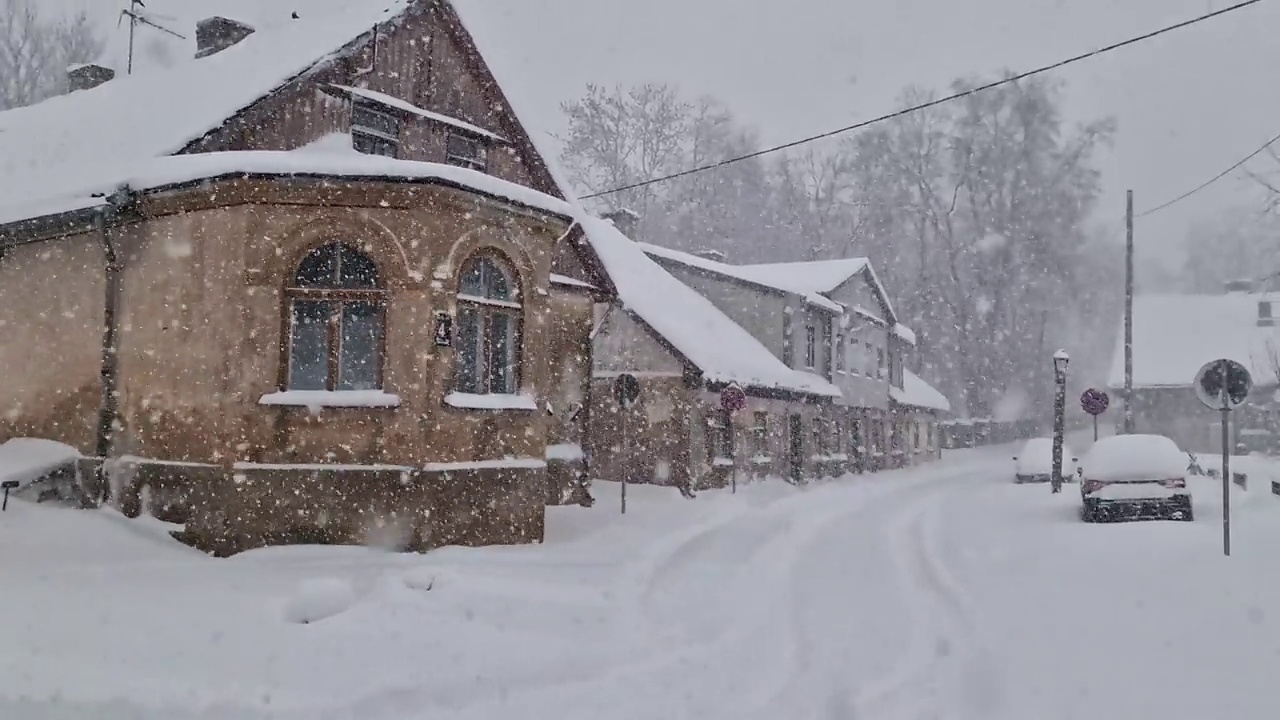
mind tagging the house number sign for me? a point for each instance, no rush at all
(444, 329)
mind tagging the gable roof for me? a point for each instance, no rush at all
(689, 323)
(750, 275)
(1175, 335)
(118, 128)
(135, 118)
(820, 276)
(825, 277)
(812, 280)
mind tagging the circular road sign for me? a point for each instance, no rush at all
(1223, 384)
(732, 398)
(626, 388)
(1094, 401)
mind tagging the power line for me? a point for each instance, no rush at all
(929, 104)
(1235, 166)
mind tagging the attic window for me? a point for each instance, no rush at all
(467, 152)
(374, 132)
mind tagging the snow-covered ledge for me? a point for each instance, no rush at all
(510, 463)
(493, 401)
(331, 399)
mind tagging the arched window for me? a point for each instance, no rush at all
(488, 353)
(336, 315)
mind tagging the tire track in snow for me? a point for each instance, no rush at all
(945, 672)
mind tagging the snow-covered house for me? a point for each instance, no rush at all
(834, 399)
(315, 274)
(832, 318)
(684, 350)
(1173, 337)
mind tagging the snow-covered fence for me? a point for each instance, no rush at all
(981, 432)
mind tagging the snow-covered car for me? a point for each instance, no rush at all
(1034, 463)
(1134, 476)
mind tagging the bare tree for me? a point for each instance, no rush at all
(987, 201)
(35, 51)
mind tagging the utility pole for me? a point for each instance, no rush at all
(1128, 314)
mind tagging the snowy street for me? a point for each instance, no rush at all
(940, 592)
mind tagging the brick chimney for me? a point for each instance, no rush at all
(1265, 318)
(1232, 287)
(215, 34)
(83, 77)
(626, 220)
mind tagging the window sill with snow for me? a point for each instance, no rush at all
(331, 399)
(495, 401)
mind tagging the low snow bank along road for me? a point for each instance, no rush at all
(939, 592)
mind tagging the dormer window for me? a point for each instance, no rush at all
(468, 152)
(374, 132)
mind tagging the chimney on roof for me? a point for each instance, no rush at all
(1237, 286)
(711, 254)
(625, 219)
(83, 77)
(215, 34)
(1265, 318)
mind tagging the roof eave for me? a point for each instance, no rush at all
(47, 227)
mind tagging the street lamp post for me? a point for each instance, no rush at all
(1060, 362)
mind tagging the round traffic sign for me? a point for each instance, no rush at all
(1223, 384)
(732, 398)
(1094, 401)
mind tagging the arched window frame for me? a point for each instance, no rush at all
(340, 297)
(484, 313)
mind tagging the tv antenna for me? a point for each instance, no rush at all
(139, 17)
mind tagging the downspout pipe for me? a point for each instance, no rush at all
(108, 411)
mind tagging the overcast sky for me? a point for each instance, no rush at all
(1188, 104)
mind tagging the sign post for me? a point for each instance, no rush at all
(1095, 402)
(732, 399)
(1223, 385)
(626, 388)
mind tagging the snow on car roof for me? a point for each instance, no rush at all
(1121, 458)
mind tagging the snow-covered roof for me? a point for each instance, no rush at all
(918, 393)
(46, 147)
(761, 275)
(819, 276)
(904, 333)
(1174, 335)
(329, 157)
(721, 349)
(24, 460)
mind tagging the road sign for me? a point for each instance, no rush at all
(1094, 402)
(626, 389)
(732, 398)
(1223, 384)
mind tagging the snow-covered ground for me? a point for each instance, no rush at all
(940, 592)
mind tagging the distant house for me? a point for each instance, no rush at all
(815, 346)
(1173, 337)
(317, 278)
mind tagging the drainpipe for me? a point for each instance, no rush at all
(108, 411)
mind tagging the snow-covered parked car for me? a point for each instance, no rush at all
(1134, 476)
(1034, 463)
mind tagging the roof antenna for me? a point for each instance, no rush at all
(135, 18)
